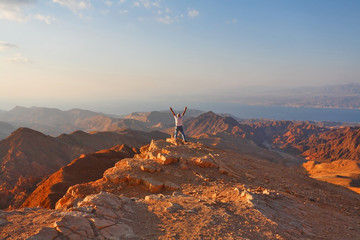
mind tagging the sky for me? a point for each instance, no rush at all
(122, 55)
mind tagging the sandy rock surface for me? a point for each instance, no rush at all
(201, 193)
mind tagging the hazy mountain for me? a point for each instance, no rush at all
(5, 129)
(54, 122)
(48, 120)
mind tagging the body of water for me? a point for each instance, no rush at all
(289, 113)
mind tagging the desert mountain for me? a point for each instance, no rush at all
(284, 135)
(27, 156)
(211, 123)
(86, 168)
(172, 190)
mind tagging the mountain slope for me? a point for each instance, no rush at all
(84, 169)
(211, 123)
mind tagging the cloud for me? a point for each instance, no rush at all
(6, 45)
(166, 20)
(17, 2)
(147, 3)
(12, 11)
(74, 5)
(108, 3)
(193, 13)
(234, 21)
(46, 19)
(19, 59)
(124, 11)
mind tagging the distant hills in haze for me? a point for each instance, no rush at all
(54, 122)
(329, 96)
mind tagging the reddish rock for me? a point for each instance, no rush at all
(87, 168)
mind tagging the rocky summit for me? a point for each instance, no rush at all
(176, 190)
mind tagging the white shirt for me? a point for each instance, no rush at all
(178, 120)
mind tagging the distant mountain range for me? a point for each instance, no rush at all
(329, 96)
(54, 122)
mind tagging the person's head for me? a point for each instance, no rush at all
(178, 114)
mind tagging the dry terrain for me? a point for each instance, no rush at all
(172, 190)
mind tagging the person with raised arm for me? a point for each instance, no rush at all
(179, 123)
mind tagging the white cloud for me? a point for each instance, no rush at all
(125, 11)
(168, 10)
(147, 3)
(193, 13)
(12, 12)
(122, 1)
(74, 5)
(46, 19)
(234, 20)
(166, 20)
(6, 45)
(109, 3)
(19, 59)
(17, 2)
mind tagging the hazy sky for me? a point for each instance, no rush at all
(100, 53)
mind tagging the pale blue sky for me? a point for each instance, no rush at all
(95, 53)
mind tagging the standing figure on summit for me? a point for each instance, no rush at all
(178, 123)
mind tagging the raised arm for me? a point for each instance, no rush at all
(184, 111)
(172, 111)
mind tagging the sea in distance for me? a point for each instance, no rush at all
(289, 113)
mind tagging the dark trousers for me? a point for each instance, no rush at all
(177, 129)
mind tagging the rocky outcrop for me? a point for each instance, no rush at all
(100, 216)
(150, 170)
